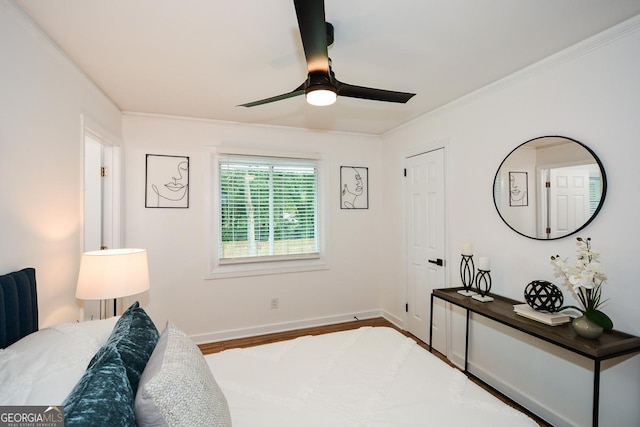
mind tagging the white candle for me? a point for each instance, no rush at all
(483, 263)
(467, 249)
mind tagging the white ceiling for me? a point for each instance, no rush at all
(201, 58)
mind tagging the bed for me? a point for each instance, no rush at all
(123, 371)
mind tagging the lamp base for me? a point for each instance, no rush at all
(481, 298)
(467, 293)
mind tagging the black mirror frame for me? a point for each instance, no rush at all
(595, 213)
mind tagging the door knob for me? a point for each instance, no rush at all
(438, 261)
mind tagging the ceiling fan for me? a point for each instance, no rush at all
(321, 86)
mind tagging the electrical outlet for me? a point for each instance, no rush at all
(274, 303)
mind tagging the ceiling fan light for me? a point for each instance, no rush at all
(321, 97)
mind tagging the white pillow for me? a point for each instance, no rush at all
(43, 367)
(177, 388)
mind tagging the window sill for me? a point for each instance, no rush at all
(223, 271)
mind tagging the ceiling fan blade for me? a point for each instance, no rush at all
(296, 92)
(362, 92)
(313, 30)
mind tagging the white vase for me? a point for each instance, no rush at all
(586, 328)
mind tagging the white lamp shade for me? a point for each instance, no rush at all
(112, 273)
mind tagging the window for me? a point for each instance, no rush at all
(595, 193)
(267, 214)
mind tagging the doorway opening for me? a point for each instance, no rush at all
(101, 197)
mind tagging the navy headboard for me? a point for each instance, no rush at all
(18, 306)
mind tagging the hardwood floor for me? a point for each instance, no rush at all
(216, 347)
(283, 336)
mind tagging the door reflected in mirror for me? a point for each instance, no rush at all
(549, 187)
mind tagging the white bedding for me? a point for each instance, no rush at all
(363, 377)
(43, 367)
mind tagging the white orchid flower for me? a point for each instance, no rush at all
(585, 276)
(576, 281)
(587, 280)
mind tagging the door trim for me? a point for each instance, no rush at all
(113, 158)
(111, 193)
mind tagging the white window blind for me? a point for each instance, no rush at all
(595, 193)
(268, 208)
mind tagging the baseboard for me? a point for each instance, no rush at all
(396, 321)
(288, 326)
(457, 359)
(519, 396)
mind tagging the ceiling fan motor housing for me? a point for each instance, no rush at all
(329, 34)
(320, 80)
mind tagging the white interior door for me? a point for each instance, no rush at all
(425, 243)
(569, 199)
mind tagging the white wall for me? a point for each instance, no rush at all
(590, 93)
(175, 238)
(42, 98)
(521, 218)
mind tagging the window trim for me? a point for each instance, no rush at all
(216, 268)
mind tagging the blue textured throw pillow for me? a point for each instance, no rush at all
(103, 396)
(134, 337)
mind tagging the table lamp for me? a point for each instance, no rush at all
(112, 274)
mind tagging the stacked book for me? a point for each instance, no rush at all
(552, 319)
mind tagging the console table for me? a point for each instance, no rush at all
(611, 344)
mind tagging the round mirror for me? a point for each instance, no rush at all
(549, 187)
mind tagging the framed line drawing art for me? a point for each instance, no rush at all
(518, 189)
(166, 181)
(354, 187)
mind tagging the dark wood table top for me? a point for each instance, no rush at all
(611, 344)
